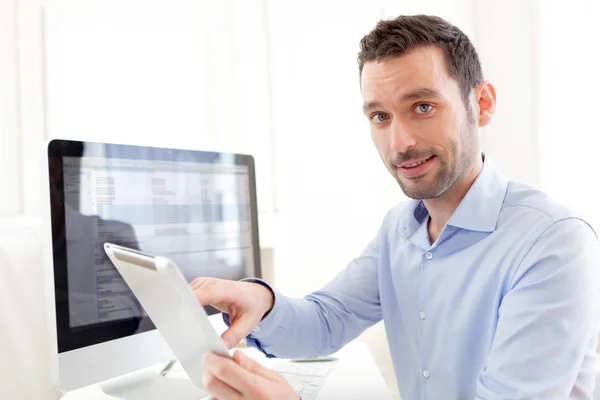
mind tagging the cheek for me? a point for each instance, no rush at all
(434, 129)
(442, 133)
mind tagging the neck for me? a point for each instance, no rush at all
(440, 209)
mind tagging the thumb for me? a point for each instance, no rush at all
(252, 366)
(239, 329)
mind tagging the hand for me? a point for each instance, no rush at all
(243, 378)
(245, 302)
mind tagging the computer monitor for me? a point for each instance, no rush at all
(196, 207)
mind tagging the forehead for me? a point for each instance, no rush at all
(424, 67)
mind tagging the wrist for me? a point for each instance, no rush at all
(268, 299)
(266, 295)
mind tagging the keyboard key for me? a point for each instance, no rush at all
(305, 378)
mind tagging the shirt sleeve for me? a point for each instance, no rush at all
(323, 321)
(548, 320)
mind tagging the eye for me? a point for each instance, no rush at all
(379, 117)
(423, 108)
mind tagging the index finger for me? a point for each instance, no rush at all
(199, 282)
(204, 290)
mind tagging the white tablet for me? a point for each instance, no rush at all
(166, 296)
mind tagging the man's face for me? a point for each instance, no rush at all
(419, 122)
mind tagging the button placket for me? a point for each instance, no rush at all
(422, 315)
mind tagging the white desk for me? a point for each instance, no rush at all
(355, 376)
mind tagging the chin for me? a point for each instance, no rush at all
(419, 191)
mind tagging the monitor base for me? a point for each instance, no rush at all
(148, 385)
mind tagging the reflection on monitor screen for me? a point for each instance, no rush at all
(197, 208)
(197, 214)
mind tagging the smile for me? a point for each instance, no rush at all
(417, 163)
(417, 169)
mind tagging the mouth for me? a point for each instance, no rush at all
(417, 168)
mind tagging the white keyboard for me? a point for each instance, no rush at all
(305, 377)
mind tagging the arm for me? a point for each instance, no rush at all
(325, 320)
(548, 321)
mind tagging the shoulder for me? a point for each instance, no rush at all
(398, 213)
(548, 235)
(532, 210)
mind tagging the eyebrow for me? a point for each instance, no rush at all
(422, 93)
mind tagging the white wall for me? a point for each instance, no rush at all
(10, 200)
(542, 57)
(568, 84)
(181, 73)
(31, 100)
(21, 105)
(503, 39)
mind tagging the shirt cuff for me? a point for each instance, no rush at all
(269, 323)
(274, 318)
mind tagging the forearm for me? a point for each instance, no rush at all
(319, 324)
(325, 320)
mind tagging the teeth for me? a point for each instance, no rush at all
(417, 163)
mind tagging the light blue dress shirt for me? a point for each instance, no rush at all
(504, 305)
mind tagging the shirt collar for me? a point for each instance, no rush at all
(479, 209)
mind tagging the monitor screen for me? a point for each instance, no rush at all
(196, 208)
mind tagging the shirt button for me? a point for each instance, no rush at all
(256, 330)
(428, 255)
(426, 373)
(422, 314)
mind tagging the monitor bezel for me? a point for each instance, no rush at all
(69, 339)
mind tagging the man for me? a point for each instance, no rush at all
(488, 288)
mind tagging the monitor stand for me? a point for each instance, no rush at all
(151, 384)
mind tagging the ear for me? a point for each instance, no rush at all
(485, 96)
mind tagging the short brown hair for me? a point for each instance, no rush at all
(398, 36)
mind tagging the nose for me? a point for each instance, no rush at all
(400, 137)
